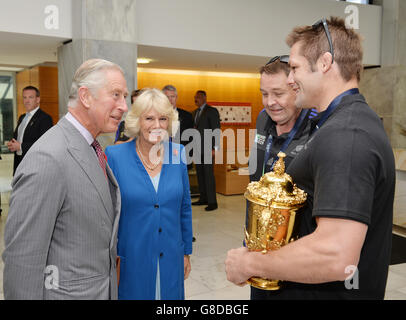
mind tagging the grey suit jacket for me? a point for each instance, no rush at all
(61, 231)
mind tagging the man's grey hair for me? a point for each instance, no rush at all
(89, 75)
(170, 87)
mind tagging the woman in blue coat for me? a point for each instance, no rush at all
(155, 228)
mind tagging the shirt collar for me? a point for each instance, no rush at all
(32, 112)
(84, 132)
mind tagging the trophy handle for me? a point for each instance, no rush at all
(264, 284)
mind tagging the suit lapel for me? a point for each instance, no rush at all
(84, 154)
(194, 117)
(116, 204)
(20, 119)
(33, 119)
(31, 124)
(201, 115)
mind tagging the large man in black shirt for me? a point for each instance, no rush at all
(281, 126)
(346, 168)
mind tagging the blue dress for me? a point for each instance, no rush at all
(154, 226)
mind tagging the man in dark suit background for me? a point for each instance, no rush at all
(206, 118)
(185, 117)
(185, 122)
(30, 126)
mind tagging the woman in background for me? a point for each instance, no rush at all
(155, 230)
(120, 135)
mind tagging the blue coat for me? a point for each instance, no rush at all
(153, 225)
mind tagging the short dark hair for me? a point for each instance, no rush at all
(134, 94)
(275, 67)
(37, 93)
(202, 92)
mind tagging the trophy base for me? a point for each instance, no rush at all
(264, 284)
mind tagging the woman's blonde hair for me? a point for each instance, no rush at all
(150, 98)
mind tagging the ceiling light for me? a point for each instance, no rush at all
(143, 60)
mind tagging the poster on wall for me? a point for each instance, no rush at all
(233, 113)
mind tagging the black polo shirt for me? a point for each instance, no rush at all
(265, 126)
(347, 169)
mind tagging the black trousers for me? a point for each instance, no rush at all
(207, 183)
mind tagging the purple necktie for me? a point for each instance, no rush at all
(100, 155)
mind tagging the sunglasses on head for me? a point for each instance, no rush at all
(323, 22)
(283, 58)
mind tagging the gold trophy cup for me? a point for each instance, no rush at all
(272, 205)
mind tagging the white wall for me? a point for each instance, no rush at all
(29, 17)
(255, 27)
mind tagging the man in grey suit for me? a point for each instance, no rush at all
(61, 232)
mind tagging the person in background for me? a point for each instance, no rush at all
(185, 117)
(185, 122)
(120, 134)
(281, 126)
(61, 232)
(206, 118)
(155, 230)
(347, 169)
(30, 126)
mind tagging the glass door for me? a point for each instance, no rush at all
(7, 108)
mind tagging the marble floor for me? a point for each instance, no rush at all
(217, 232)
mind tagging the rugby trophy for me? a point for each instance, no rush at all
(272, 205)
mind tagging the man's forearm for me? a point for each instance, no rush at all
(299, 261)
(322, 256)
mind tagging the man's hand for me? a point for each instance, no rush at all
(14, 145)
(235, 266)
(187, 266)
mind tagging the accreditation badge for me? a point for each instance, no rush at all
(259, 139)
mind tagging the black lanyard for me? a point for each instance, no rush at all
(333, 105)
(292, 133)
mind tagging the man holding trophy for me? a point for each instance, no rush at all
(280, 127)
(347, 171)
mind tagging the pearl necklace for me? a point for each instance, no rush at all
(155, 165)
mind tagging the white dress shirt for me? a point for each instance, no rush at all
(21, 129)
(83, 131)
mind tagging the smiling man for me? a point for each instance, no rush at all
(281, 126)
(276, 129)
(61, 232)
(347, 170)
